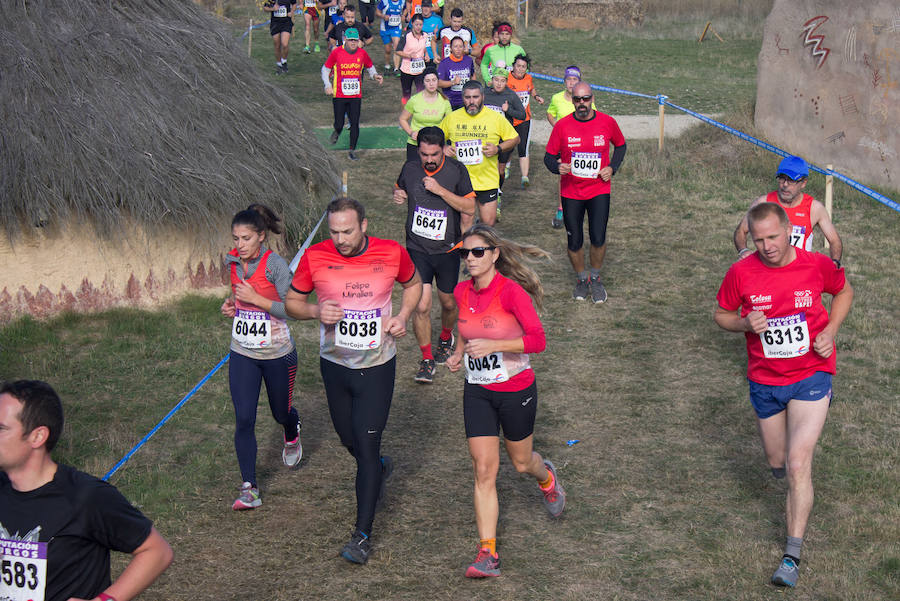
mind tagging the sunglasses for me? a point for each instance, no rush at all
(477, 252)
(582, 98)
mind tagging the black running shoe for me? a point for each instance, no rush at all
(444, 350)
(358, 548)
(425, 375)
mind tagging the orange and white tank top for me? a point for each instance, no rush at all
(254, 328)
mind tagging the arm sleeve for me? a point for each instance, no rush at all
(372, 71)
(302, 281)
(507, 131)
(515, 110)
(114, 522)
(278, 272)
(729, 296)
(402, 44)
(551, 162)
(515, 300)
(464, 183)
(834, 277)
(326, 76)
(486, 66)
(407, 267)
(617, 157)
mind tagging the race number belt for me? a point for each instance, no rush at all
(798, 233)
(469, 152)
(487, 370)
(394, 21)
(281, 11)
(359, 330)
(252, 329)
(586, 164)
(429, 223)
(786, 337)
(525, 97)
(24, 570)
(350, 86)
(416, 65)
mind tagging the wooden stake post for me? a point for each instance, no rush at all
(662, 120)
(829, 195)
(708, 28)
(250, 39)
(344, 184)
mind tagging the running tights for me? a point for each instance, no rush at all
(352, 108)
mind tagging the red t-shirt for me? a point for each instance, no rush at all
(791, 299)
(362, 286)
(801, 220)
(347, 69)
(590, 140)
(502, 310)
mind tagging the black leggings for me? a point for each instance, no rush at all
(351, 107)
(245, 377)
(407, 81)
(359, 401)
(573, 216)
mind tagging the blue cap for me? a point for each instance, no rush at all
(794, 168)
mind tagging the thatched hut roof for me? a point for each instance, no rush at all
(145, 111)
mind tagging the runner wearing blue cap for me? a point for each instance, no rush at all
(803, 210)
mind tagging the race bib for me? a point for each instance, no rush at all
(281, 11)
(252, 329)
(359, 330)
(394, 21)
(23, 570)
(418, 9)
(429, 223)
(446, 50)
(525, 97)
(786, 337)
(586, 164)
(332, 10)
(495, 108)
(798, 233)
(417, 65)
(487, 370)
(350, 86)
(463, 78)
(309, 3)
(469, 152)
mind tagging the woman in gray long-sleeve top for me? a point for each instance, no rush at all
(499, 98)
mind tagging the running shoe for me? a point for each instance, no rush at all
(525, 181)
(248, 499)
(484, 566)
(334, 137)
(582, 289)
(352, 155)
(425, 375)
(786, 574)
(396, 72)
(598, 291)
(278, 69)
(555, 498)
(293, 451)
(444, 350)
(316, 48)
(357, 548)
(557, 221)
(387, 468)
(284, 68)
(499, 203)
(306, 49)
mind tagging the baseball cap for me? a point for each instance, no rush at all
(352, 33)
(427, 3)
(793, 167)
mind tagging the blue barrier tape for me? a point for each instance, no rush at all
(193, 391)
(663, 100)
(257, 26)
(296, 260)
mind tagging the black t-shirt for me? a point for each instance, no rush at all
(285, 6)
(80, 518)
(432, 226)
(337, 33)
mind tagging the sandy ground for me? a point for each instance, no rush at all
(634, 127)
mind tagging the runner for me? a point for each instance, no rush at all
(342, 75)
(498, 328)
(336, 37)
(578, 150)
(428, 107)
(390, 13)
(561, 105)
(58, 525)
(436, 190)
(281, 24)
(506, 102)
(367, 12)
(261, 344)
(353, 275)
(475, 136)
(411, 49)
(456, 29)
(804, 211)
(502, 53)
(454, 71)
(311, 18)
(774, 297)
(335, 15)
(431, 26)
(521, 83)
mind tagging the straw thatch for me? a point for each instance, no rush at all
(144, 111)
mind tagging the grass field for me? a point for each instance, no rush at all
(669, 494)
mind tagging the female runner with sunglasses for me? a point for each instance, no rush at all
(498, 326)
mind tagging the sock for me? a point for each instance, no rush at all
(282, 61)
(559, 208)
(426, 352)
(490, 544)
(548, 483)
(502, 178)
(792, 548)
(595, 273)
(583, 275)
(446, 334)
(778, 473)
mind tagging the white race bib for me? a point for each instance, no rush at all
(332, 10)
(350, 86)
(495, 108)
(281, 11)
(394, 21)
(418, 9)
(798, 233)
(525, 97)
(586, 164)
(469, 152)
(463, 78)
(786, 337)
(252, 329)
(309, 3)
(487, 370)
(446, 50)
(23, 573)
(429, 223)
(359, 330)
(416, 65)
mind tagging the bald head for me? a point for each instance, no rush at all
(583, 98)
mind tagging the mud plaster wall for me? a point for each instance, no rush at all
(828, 85)
(43, 274)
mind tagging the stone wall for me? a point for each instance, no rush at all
(828, 85)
